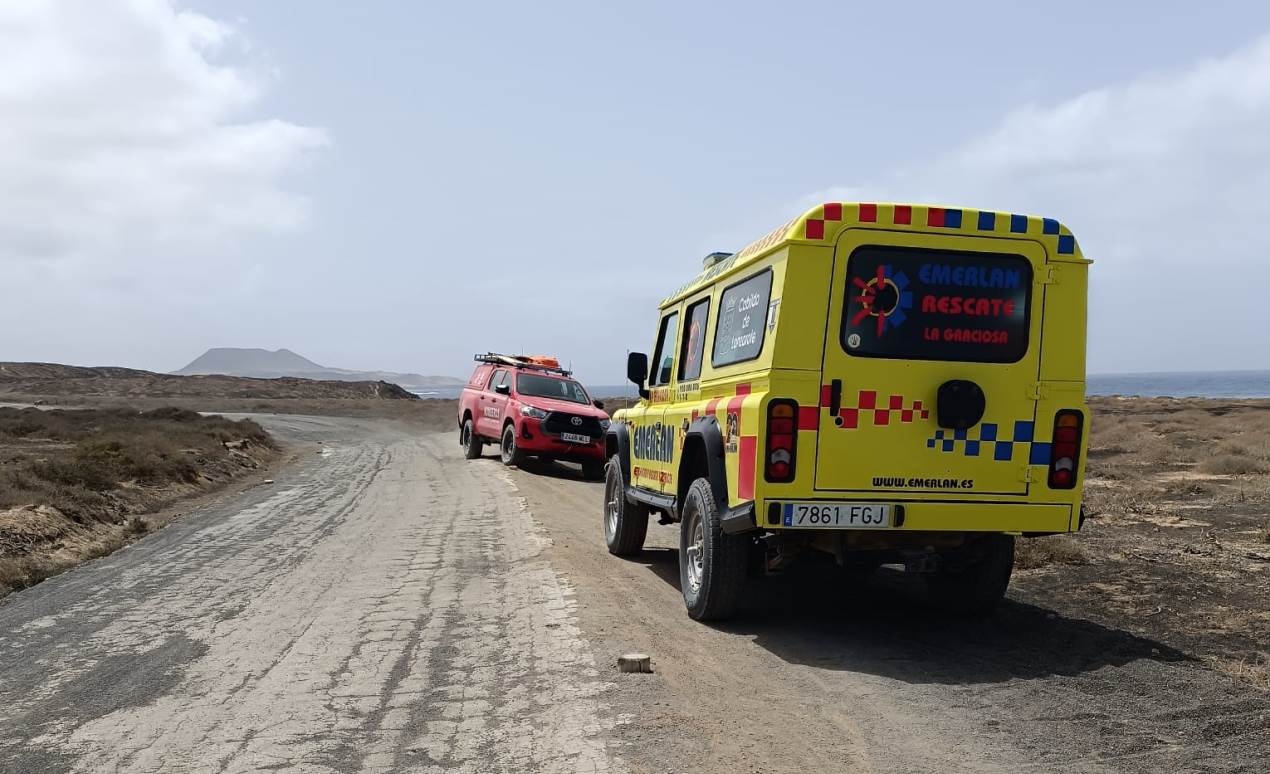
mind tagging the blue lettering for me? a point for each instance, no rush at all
(970, 276)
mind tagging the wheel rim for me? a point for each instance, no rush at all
(509, 445)
(695, 551)
(611, 505)
(465, 436)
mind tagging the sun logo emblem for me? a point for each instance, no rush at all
(884, 298)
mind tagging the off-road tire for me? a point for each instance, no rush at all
(976, 589)
(594, 471)
(509, 449)
(470, 441)
(721, 571)
(625, 524)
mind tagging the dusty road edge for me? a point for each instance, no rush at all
(121, 536)
(610, 693)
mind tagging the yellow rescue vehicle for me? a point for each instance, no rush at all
(887, 383)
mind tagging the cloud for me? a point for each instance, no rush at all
(126, 135)
(1165, 180)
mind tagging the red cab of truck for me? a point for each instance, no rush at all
(531, 407)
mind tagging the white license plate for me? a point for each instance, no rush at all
(837, 515)
(575, 438)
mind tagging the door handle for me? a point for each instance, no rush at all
(835, 397)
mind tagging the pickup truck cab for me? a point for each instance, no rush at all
(897, 384)
(531, 407)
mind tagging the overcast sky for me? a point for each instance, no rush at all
(398, 185)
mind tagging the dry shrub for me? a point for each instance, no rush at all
(98, 450)
(1189, 488)
(89, 473)
(1235, 448)
(1130, 496)
(1257, 422)
(1190, 418)
(20, 572)
(1113, 470)
(1031, 553)
(1256, 444)
(109, 544)
(1151, 448)
(1232, 465)
(1254, 671)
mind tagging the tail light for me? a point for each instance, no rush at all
(782, 441)
(1065, 449)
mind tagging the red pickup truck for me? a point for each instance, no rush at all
(531, 407)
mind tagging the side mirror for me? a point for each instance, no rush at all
(598, 403)
(503, 389)
(637, 371)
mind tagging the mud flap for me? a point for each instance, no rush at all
(735, 521)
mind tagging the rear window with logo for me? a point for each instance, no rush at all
(936, 305)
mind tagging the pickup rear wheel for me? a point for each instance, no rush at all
(471, 443)
(977, 588)
(712, 564)
(511, 453)
(625, 525)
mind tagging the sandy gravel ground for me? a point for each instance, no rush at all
(822, 673)
(388, 606)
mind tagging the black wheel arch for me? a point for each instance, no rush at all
(702, 455)
(618, 441)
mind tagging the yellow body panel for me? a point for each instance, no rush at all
(992, 477)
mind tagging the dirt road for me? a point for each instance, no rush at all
(387, 606)
(823, 675)
(381, 607)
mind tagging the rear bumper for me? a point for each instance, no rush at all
(935, 516)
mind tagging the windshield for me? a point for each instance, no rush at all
(537, 386)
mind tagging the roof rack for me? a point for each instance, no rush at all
(530, 362)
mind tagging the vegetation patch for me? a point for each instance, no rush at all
(1232, 464)
(1031, 553)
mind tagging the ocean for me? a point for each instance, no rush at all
(1177, 384)
(1183, 384)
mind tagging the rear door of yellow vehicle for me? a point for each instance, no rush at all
(908, 313)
